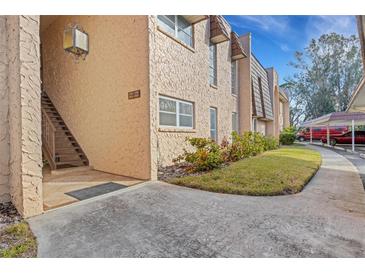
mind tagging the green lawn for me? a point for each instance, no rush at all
(277, 172)
(20, 241)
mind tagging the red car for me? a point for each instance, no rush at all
(320, 132)
(346, 138)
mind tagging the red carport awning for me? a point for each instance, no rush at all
(337, 119)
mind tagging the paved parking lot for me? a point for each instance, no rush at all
(155, 219)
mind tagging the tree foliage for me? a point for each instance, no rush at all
(326, 73)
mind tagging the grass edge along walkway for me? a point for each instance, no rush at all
(277, 172)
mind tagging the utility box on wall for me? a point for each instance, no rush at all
(76, 41)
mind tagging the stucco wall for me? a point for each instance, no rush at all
(92, 94)
(4, 122)
(286, 114)
(24, 114)
(273, 127)
(245, 95)
(250, 69)
(182, 73)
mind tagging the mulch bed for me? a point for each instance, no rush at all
(8, 215)
(174, 171)
(178, 170)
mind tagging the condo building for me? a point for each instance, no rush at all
(121, 94)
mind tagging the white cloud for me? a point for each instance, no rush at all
(284, 47)
(277, 24)
(318, 25)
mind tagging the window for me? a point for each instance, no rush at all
(234, 121)
(178, 27)
(213, 64)
(213, 123)
(175, 113)
(254, 124)
(234, 78)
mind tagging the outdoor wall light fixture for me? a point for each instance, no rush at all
(76, 40)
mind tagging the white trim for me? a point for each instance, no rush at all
(177, 113)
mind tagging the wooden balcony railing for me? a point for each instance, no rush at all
(49, 139)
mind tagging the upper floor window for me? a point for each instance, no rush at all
(234, 78)
(178, 27)
(175, 113)
(213, 64)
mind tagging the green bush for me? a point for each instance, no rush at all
(249, 144)
(271, 143)
(208, 155)
(287, 136)
(241, 146)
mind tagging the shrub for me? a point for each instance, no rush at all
(271, 143)
(208, 155)
(287, 136)
(249, 144)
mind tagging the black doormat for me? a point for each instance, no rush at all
(89, 192)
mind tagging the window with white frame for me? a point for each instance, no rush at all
(234, 77)
(175, 113)
(213, 123)
(213, 64)
(234, 121)
(177, 26)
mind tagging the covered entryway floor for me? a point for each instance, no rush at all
(57, 184)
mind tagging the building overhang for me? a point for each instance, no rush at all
(357, 101)
(237, 51)
(219, 29)
(265, 119)
(193, 19)
(283, 97)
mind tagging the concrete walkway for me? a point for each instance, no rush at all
(156, 219)
(357, 161)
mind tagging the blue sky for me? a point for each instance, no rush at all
(276, 38)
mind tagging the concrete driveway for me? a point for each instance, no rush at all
(156, 219)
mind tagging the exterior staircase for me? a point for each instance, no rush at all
(59, 146)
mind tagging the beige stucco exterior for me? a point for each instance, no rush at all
(269, 125)
(4, 120)
(181, 72)
(20, 115)
(245, 94)
(92, 94)
(273, 127)
(118, 135)
(284, 112)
